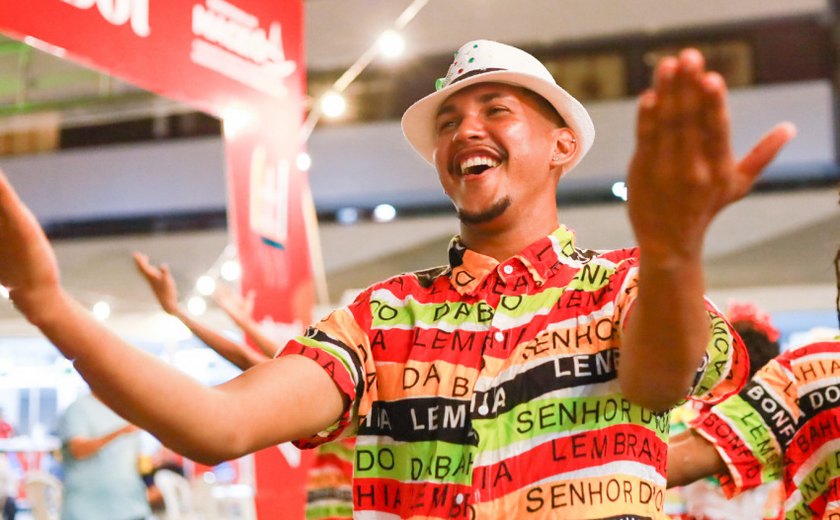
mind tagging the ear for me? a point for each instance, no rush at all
(565, 146)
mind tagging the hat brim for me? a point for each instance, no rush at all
(418, 122)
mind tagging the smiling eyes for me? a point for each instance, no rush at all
(450, 122)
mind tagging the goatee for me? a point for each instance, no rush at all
(487, 215)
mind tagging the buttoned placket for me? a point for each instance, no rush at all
(503, 271)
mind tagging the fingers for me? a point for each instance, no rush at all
(646, 124)
(766, 149)
(688, 92)
(141, 261)
(716, 119)
(165, 273)
(7, 193)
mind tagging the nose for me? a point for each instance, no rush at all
(471, 127)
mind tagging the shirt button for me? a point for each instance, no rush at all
(507, 269)
(498, 336)
(459, 498)
(484, 409)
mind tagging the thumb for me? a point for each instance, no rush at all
(766, 149)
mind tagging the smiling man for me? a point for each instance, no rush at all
(489, 387)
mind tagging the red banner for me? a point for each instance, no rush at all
(240, 60)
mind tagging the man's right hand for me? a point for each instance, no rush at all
(28, 267)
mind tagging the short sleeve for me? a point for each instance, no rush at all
(72, 424)
(339, 343)
(750, 430)
(725, 366)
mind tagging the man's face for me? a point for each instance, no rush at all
(493, 149)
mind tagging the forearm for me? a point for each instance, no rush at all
(131, 381)
(666, 333)
(690, 458)
(83, 447)
(240, 355)
(268, 347)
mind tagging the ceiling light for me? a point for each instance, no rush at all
(230, 270)
(205, 285)
(101, 310)
(391, 44)
(384, 213)
(303, 161)
(347, 215)
(619, 189)
(235, 120)
(196, 305)
(333, 104)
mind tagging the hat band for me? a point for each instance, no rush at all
(440, 84)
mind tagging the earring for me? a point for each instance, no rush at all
(574, 141)
(555, 158)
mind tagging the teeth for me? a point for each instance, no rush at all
(478, 161)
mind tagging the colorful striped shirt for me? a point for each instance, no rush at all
(785, 424)
(488, 389)
(329, 492)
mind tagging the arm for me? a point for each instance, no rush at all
(84, 447)
(163, 286)
(682, 175)
(240, 310)
(691, 457)
(264, 406)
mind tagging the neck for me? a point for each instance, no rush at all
(503, 243)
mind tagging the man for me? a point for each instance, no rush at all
(488, 387)
(100, 455)
(784, 425)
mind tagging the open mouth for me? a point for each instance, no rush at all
(477, 165)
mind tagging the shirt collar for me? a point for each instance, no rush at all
(469, 269)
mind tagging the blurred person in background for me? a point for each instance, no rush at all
(704, 499)
(783, 426)
(100, 458)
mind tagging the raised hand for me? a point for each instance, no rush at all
(684, 171)
(161, 282)
(28, 267)
(238, 308)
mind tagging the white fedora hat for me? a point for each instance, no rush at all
(482, 61)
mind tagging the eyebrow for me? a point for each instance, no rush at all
(484, 98)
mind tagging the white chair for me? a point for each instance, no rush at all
(236, 501)
(177, 496)
(204, 499)
(44, 493)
